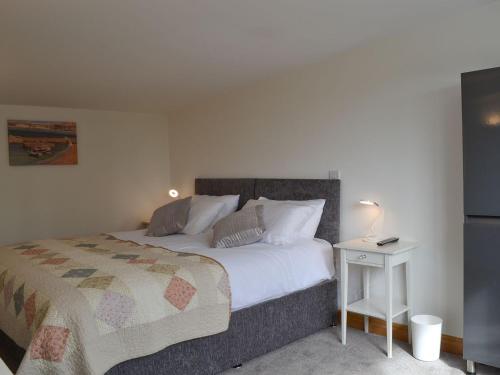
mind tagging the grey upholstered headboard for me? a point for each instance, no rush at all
(282, 189)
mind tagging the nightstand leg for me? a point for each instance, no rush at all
(409, 296)
(366, 293)
(343, 283)
(388, 299)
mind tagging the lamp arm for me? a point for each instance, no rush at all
(372, 231)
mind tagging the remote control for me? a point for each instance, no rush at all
(387, 240)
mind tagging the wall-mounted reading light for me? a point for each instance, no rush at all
(493, 120)
(173, 193)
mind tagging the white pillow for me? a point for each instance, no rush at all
(202, 215)
(311, 226)
(230, 204)
(282, 221)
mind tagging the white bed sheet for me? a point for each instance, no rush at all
(257, 272)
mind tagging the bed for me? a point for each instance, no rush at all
(260, 321)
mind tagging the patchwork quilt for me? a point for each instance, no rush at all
(83, 305)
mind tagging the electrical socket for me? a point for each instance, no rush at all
(334, 174)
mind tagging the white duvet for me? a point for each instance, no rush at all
(257, 272)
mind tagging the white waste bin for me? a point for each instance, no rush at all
(426, 337)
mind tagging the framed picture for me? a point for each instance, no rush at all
(42, 142)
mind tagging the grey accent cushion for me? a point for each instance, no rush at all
(169, 219)
(240, 228)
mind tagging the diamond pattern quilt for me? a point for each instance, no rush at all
(83, 305)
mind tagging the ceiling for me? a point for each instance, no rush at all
(156, 55)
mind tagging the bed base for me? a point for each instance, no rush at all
(252, 332)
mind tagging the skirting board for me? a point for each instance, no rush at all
(449, 344)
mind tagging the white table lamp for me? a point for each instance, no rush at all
(373, 234)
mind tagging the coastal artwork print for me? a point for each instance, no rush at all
(42, 142)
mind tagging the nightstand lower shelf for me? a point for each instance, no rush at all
(376, 307)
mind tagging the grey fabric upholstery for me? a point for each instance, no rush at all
(283, 189)
(226, 186)
(240, 228)
(252, 332)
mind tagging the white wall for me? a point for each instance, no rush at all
(387, 115)
(122, 175)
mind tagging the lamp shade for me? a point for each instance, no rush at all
(369, 203)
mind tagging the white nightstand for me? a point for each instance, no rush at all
(370, 255)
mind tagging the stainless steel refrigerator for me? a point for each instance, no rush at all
(481, 157)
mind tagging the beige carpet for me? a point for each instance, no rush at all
(323, 354)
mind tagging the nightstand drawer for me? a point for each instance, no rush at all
(362, 257)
